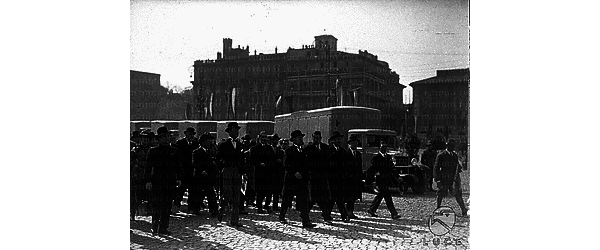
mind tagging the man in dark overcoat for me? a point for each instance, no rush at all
(319, 168)
(138, 155)
(186, 146)
(262, 158)
(338, 184)
(381, 170)
(428, 159)
(203, 177)
(296, 180)
(447, 175)
(163, 172)
(230, 156)
(277, 171)
(354, 175)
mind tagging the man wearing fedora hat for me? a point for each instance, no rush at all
(354, 176)
(296, 182)
(262, 158)
(230, 156)
(276, 177)
(186, 146)
(381, 170)
(317, 153)
(204, 177)
(163, 177)
(338, 161)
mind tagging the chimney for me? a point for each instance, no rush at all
(218, 55)
(275, 49)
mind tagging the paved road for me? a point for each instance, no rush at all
(263, 231)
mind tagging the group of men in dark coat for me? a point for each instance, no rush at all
(327, 175)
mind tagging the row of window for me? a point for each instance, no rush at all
(443, 105)
(446, 93)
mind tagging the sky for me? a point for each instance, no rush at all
(415, 37)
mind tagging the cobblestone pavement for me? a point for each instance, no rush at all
(263, 231)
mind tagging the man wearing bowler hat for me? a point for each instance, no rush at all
(230, 156)
(446, 172)
(163, 177)
(381, 170)
(186, 146)
(296, 180)
(278, 170)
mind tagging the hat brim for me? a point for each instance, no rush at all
(229, 128)
(335, 136)
(301, 135)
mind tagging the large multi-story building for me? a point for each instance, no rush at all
(149, 100)
(240, 86)
(441, 104)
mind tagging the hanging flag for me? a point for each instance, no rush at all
(210, 106)
(233, 92)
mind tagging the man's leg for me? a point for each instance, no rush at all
(390, 203)
(375, 204)
(235, 200)
(442, 191)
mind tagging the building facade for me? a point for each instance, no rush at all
(441, 104)
(241, 86)
(149, 100)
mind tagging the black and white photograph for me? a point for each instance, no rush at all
(299, 124)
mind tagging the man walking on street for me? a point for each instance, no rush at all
(338, 184)
(354, 175)
(186, 146)
(163, 171)
(204, 174)
(277, 171)
(447, 175)
(231, 157)
(296, 180)
(262, 158)
(381, 170)
(317, 154)
(428, 159)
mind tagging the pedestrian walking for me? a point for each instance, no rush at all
(277, 171)
(296, 182)
(138, 156)
(354, 175)
(447, 175)
(230, 155)
(338, 183)
(163, 171)
(262, 158)
(428, 159)
(186, 146)
(203, 177)
(381, 170)
(317, 153)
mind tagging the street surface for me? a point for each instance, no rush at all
(263, 231)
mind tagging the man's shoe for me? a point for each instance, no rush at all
(243, 212)
(268, 210)
(283, 221)
(371, 213)
(154, 231)
(220, 216)
(236, 225)
(395, 217)
(309, 225)
(346, 219)
(276, 209)
(352, 216)
(260, 211)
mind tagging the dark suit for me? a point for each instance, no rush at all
(295, 161)
(137, 180)
(447, 174)
(162, 170)
(231, 160)
(278, 174)
(185, 148)
(203, 160)
(428, 159)
(354, 178)
(319, 184)
(338, 183)
(263, 155)
(381, 170)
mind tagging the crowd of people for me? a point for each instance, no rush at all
(268, 172)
